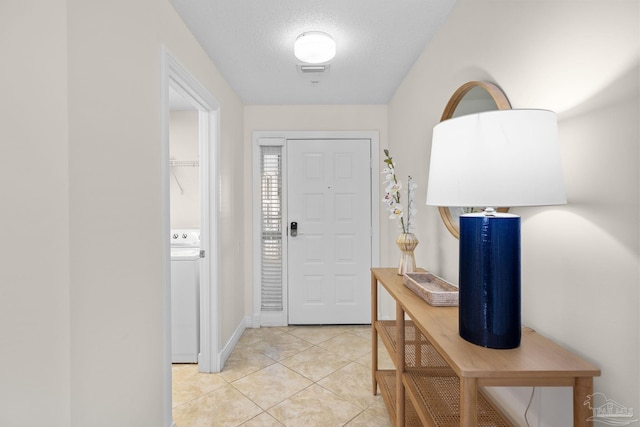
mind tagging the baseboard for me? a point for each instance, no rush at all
(273, 318)
(253, 321)
(233, 341)
(249, 322)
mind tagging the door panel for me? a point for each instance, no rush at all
(329, 196)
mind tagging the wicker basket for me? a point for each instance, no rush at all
(433, 289)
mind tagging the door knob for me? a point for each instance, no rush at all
(294, 229)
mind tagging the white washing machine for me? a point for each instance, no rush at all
(185, 295)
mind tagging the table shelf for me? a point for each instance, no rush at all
(419, 353)
(439, 376)
(387, 382)
(437, 398)
(432, 385)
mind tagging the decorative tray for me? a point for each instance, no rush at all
(431, 288)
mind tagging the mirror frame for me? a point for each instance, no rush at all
(502, 103)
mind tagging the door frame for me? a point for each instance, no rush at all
(175, 76)
(260, 318)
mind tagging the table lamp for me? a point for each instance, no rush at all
(501, 158)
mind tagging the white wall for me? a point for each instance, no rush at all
(184, 182)
(182, 44)
(80, 292)
(580, 261)
(302, 118)
(34, 196)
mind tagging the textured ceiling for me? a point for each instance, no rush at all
(251, 43)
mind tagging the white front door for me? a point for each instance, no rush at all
(329, 200)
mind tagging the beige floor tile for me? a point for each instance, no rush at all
(280, 328)
(348, 346)
(353, 383)
(366, 419)
(188, 383)
(364, 360)
(277, 368)
(384, 359)
(362, 331)
(183, 371)
(263, 420)
(378, 408)
(280, 346)
(317, 334)
(314, 407)
(253, 335)
(315, 363)
(225, 406)
(242, 362)
(271, 385)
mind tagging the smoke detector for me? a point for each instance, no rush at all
(313, 69)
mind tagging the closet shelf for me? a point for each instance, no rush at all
(182, 163)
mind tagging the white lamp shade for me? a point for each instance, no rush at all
(314, 47)
(496, 158)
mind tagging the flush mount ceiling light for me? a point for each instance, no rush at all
(314, 47)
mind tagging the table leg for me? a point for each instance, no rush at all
(400, 403)
(374, 335)
(581, 412)
(468, 402)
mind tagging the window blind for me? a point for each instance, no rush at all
(271, 219)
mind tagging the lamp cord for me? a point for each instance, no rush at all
(533, 390)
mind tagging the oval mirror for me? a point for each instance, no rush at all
(472, 97)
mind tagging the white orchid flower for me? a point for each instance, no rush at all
(394, 188)
(392, 196)
(396, 211)
(388, 199)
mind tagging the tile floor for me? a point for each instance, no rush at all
(286, 376)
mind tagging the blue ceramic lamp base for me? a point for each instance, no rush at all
(490, 280)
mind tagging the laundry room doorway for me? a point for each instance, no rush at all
(189, 176)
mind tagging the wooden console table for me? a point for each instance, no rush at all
(442, 374)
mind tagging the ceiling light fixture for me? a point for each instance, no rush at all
(314, 47)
